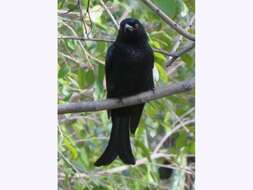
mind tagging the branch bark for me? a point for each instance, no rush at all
(170, 54)
(168, 20)
(85, 39)
(89, 106)
(180, 52)
(178, 42)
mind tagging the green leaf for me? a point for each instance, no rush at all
(183, 8)
(81, 78)
(145, 150)
(72, 6)
(60, 4)
(85, 78)
(164, 38)
(85, 3)
(99, 90)
(64, 69)
(71, 44)
(190, 4)
(181, 140)
(70, 148)
(89, 77)
(187, 58)
(155, 44)
(160, 58)
(169, 7)
(162, 73)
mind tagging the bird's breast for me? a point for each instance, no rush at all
(131, 71)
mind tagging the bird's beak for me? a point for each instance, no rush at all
(128, 27)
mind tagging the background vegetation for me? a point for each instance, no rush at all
(164, 144)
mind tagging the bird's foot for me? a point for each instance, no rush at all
(120, 100)
(153, 90)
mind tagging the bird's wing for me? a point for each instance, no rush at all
(108, 74)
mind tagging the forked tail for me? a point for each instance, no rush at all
(119, 143)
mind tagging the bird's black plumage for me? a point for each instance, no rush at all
(128, 70)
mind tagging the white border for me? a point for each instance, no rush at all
(28, 82)
(224, 94)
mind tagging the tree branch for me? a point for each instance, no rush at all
(82, 65)
(168, 20)
(85, 39)
(180, 52)
(110, 14)
(119, 169)
(178, 41)
(171, 133)
(88, 106)
(170, 54)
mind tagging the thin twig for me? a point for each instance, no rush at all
(186, 48)
(72, 165)
(168, 20)
(183, 86)
(180, 37)
(169, 134)
(88, 12)
(120, 168)
(110, 14)
(85, 39)
(81, 45)
(83, 65)
(138, 163)
(186, 170)
(180, 120)
(81, 17)
(178, 41)
(182, 51)
(71, 9)
(171, 54)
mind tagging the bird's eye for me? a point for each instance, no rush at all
(136, 26)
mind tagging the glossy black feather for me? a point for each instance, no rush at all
(135, 118)
(110, 152)
(128, 71)
(124, 145)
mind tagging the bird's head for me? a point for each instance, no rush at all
(132, 31)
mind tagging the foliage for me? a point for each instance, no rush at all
(82, 137)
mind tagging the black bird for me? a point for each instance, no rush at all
(128, 70)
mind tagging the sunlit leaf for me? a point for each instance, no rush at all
(170, 7)
(71, 149)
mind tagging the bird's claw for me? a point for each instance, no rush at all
(153, 90)
(120, 100)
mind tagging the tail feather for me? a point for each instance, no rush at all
(124, 148)
(119, 143)
(110, 152)
(135, 117)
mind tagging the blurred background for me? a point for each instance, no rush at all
(164, 144)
